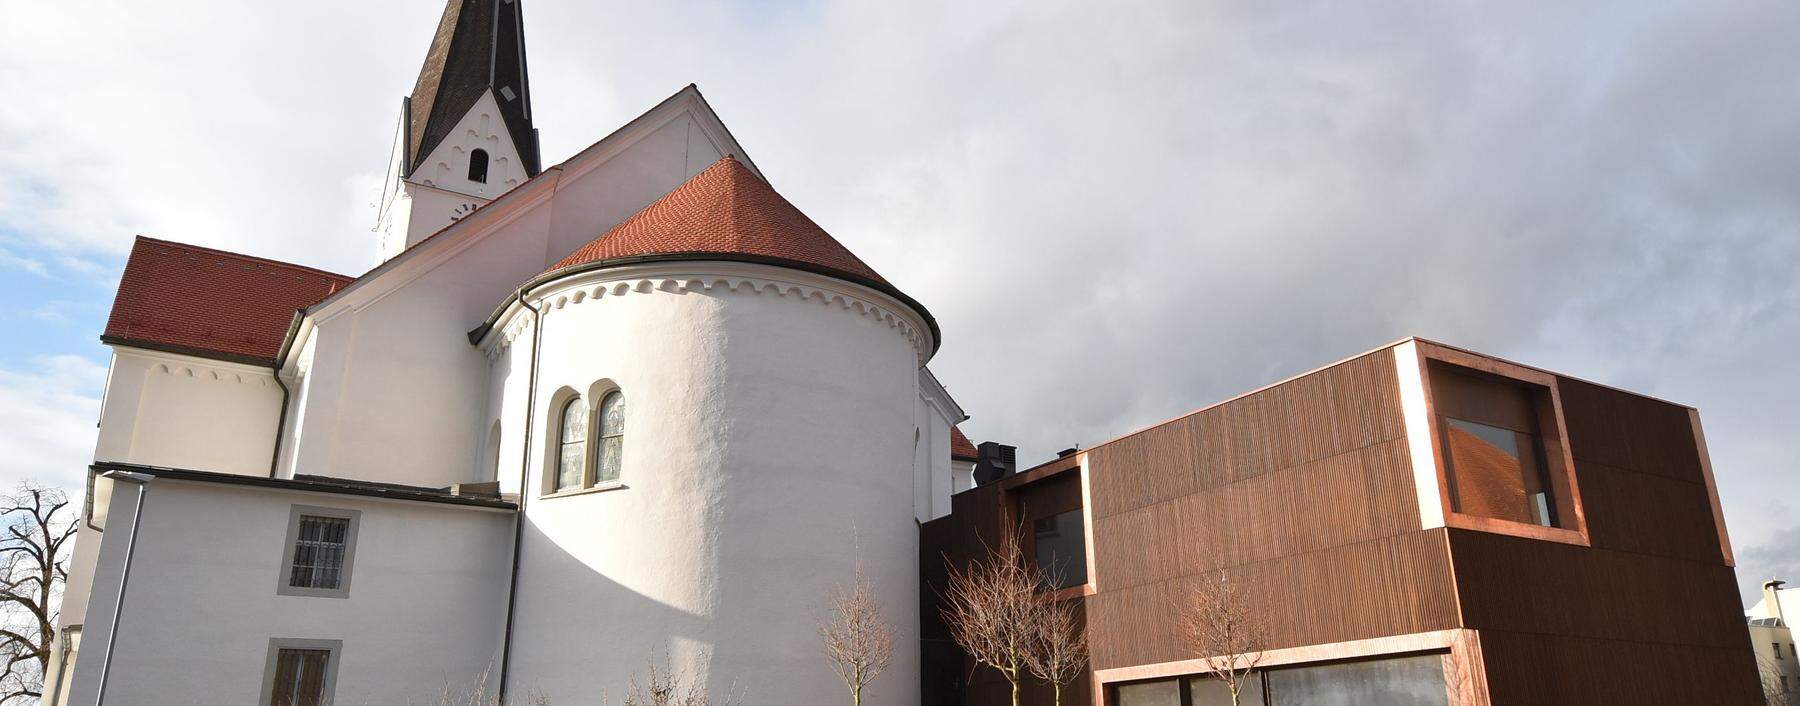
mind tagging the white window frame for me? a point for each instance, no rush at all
(277, 644)
(293, 535)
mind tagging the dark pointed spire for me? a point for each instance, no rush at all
(480, 44)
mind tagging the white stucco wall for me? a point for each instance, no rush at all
(423, 609)
(768, 437)
(395, 392)
(179, 411)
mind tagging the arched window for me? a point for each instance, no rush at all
(612, 436)
(478, 166)
(571, 445)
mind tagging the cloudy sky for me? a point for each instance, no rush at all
(1118, 211)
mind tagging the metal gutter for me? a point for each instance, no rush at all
(512, 590)
(312, 484)
(488, 324)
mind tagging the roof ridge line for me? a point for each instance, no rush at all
(246, 256)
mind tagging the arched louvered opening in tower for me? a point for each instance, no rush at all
(478, 166)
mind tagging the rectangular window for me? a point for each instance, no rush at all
(1777, 647)
(1049, 512)
(1496, 461)
(1399, 681)
(1212, 691)
(1061, 549)
(300, 672)
(318, 554)
(1156, 693)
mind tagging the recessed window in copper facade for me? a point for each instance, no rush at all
(1490, 430)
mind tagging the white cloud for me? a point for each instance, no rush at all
(47, 415)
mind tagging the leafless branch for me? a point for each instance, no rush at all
(1223, 624)
(994, 613)
(32, 573)
(1060, 654)
(859, 644)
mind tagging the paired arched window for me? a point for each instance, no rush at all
(612, 436)
(571, 451)
(478, 164)
(577, 466)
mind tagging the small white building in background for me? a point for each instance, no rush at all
(634, 408)
(1777, 657)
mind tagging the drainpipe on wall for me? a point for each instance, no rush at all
(112, 634)
(280, 423)
(512, 591)
(280, 362)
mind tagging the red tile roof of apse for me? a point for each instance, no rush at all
(961, 448)
(724, 210)
(211, 303)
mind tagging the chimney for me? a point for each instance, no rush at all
(1771, 599)
(995, 461)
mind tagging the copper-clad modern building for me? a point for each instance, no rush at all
(1418, 524)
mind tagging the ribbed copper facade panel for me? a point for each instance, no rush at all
(1393, 585)
(1295, 489)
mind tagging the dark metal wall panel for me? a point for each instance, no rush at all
(1627, 431)
(1531, 586)
(1649, 613)
(1549, 670)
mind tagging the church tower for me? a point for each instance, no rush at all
(465, 133)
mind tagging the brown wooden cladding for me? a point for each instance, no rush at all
(1347, 407)
(1339, 500)
(1394, 585)
(1300, 489)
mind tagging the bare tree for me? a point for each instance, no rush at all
(857, 641)
(994, 612)
(1222, 624)
(1060, 652)
(32, 574)
(667, 687)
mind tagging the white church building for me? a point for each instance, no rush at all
(631, 408)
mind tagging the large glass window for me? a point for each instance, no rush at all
(1400, 681)
(1061, 548)
(612, 436)
(571, 454)
(1156, 693)
(1212, 691)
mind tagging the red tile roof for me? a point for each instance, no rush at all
(725, 210)
(961, 448)
(211, 303)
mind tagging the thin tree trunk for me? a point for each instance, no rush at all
(1058, 694)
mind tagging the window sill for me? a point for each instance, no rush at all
(597, 488)
(1063, 594)
(1516, 529)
